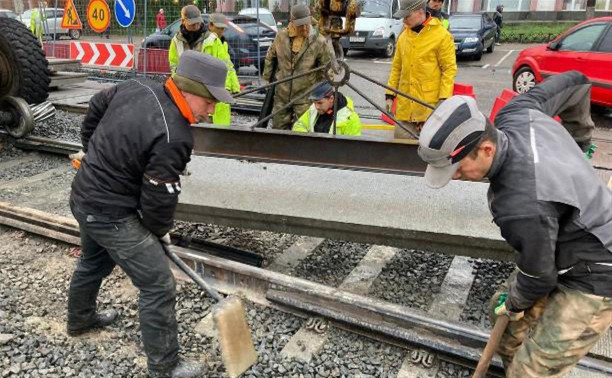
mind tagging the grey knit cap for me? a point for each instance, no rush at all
(409, 6)
(300, 15)
(206, 71)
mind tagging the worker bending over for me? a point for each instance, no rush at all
(137, 140)
(424, 66)
(190, 36)
(216, 46)
(550, 207)
(319, 117)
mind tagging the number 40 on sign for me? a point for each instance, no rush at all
(98, 15)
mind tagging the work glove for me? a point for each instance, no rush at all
(166, 239)
(501, 309)
(75, 159)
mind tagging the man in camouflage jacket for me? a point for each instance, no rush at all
(295, 50)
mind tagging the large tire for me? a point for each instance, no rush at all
(24, 70)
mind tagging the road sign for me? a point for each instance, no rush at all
(125, 11)
(103, 54)
(71, 18)
(98, 15)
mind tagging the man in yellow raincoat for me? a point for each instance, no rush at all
(216, 46)
(36, 23)
(424, 66)
(189, 37)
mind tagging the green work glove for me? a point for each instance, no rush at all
(501, 309)
(589, 153)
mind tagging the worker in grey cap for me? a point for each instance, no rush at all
(424, 66)
(137, 140)
(551, 208)
(295, 50)
(216, 46)
(190, 36)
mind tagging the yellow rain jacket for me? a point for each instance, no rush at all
(424, 66)
(180, 44)
(36, 23)
(214, 47)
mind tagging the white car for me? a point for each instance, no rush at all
(53, 24)
(265, 16)
(7, 13)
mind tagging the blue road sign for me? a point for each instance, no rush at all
(125, 10)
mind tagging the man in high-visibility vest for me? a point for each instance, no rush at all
(319, 118)
(36, 24)
(434, 7)
(190, 36)
(216, 46)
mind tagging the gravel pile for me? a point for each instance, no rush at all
(31, 168)
(65, 126)
(489, 276)
(8, 151)
(412, 278)
(268, 244)
(331, 262)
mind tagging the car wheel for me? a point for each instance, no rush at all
(389, 48)
(524, 79)
(492, 47)
(74, 33)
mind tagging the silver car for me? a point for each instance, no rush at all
(53, 23)
(6, 13)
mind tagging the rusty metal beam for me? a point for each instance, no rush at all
(315, 150)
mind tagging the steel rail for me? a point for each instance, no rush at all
(396, 324)
(274, 83)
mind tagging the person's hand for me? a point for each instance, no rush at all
(166, 239)
(501, 309)
(77, 155)
(389, 103)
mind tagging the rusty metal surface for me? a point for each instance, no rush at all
(321, 150)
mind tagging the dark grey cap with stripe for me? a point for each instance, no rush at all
(448, 135)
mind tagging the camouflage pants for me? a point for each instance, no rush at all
(554, 334)
(285, 119)
(400, 133)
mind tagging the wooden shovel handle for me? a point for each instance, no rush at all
(489, 351)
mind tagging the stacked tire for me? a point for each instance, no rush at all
(24, 70)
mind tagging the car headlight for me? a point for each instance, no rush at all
(380, 32)
(471, 40)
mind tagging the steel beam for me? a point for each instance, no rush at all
(315, 150)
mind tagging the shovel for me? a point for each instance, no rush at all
(489, 351)
(229, 317)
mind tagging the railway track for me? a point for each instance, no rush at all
(354, 292)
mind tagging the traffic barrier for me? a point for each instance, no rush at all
(157, 61)
(57, 50)
(117, 55)
(459, 89)
(503, 99)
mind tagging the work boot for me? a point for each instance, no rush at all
(184, 369)
(103, 319)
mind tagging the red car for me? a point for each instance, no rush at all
(587, 47)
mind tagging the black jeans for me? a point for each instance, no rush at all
(108, 241)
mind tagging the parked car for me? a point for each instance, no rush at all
(265, 16)
(6, 13)
(53, 24)
(474, 33)
(375, 28)
(241, 35)
(587, 47)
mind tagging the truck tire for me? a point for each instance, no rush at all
(24, 70)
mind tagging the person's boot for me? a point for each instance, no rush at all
(103, 319)
(184, 369)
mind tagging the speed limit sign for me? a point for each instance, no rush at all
(98, 15)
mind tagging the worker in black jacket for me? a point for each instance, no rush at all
(137, 141)
(550, 206)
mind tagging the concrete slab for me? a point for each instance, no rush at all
(376, 208)
(304, 345)
(451, 299)
(291, 257)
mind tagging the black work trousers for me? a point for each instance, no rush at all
(108, 241)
